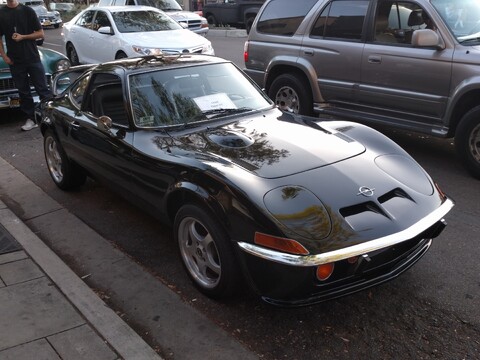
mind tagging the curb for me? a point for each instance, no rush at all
(115, 331)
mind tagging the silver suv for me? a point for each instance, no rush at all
(412, 64)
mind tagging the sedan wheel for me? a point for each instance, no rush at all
(206, 252)
(467, 141)
(64, 173)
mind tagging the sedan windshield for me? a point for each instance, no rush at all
(192, 95)
(462, 17)
(143, 21)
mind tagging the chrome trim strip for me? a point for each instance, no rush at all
(355, 250)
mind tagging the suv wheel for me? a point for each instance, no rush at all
(467, 141)
(291, 93)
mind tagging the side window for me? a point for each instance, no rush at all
(78, 91)
(106, 98)
(341, 19)
(281, 18)
(86, 20)
(395, 22)
(100, 20)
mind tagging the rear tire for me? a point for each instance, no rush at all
(72, 55)
(467, 141)
(292, 94)
(206, 252)
(65, 174)
(212, 20)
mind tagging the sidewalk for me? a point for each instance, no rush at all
(46, 306)
(48, 312)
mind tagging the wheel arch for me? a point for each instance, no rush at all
(190, 193)
(462, 105)
(283, 66)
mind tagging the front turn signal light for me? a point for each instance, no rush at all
(282, 244)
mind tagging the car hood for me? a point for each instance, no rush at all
(274, 146)
(172, 39)
(183, 15)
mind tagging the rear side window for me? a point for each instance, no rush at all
(281, 17)
(342, 19)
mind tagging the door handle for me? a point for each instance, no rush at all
(308, 52)
(375, 59)
(75, 124)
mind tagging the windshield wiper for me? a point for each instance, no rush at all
(213, 113)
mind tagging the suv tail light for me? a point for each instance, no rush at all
(245, 52)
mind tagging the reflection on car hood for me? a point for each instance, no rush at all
(169, 39)
(271, 148)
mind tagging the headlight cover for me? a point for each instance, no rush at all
(299, 212)
(62, 64)
(208, 49)
(146, 50)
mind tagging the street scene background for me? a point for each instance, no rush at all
(430, 312)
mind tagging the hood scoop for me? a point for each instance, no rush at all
(230, 139)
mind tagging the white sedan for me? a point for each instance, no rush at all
(100, 34)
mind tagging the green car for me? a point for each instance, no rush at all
(52, 61)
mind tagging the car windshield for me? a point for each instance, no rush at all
(143, 21)
(462, 17)
(192, 95)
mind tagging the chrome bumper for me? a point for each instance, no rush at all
(351, 251)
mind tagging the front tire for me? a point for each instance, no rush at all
(120, 55)
(65, 174)
(467, 141)
(291, 93)
(206, 252)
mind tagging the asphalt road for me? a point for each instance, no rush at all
(430, 312)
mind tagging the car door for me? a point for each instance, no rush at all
(102, 43)
(80, 36)
(334, 47)
(104, 151)
(410, 82)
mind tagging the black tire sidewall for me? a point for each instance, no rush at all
(73, 176)
(230, 275)
(469, 121)
(298, 85)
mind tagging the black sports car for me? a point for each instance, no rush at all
(304, 209)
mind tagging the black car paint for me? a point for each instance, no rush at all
(159, 170)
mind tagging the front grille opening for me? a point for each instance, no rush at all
(364, 216)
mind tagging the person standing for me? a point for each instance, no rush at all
(20, 26)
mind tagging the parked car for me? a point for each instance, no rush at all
(410, 64)
(305, 209)
(100, 34)
(51, 60)
(232, 12)
(190, 20)
(47, 18)
(62, 7)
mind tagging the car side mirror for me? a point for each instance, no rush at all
(427, 38)
(104, 123)
(107, 30)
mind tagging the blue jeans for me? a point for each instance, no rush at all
(23, 75)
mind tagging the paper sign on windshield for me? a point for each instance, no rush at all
(215, 101)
